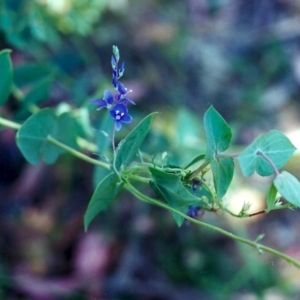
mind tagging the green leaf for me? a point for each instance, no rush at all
(30, 73)
(223, 169)
(104, 194)
(116, 52)
(289, 187)
(6, 81)
(187, 129)
(178, 219)
(172, 188)
(218, 133)
(273, 144)
(129, 146)
(64, 130)
(31, 138)
(195, 160)
(271, 197)
(40, 92)
(103, 145)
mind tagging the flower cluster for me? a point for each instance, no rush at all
(116, 104)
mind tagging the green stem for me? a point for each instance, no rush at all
(78, 154)
(253, 244)
(50, 139)
(9, 124)
(199, 169)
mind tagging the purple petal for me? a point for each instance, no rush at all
(122, 89)
(108, 97)
(127, 119)
(129, 100)
(118, 125)
(113, 62)
(99, 102)
(121, 108)
(115, 81)
(122, 69)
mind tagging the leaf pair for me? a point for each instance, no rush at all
(109, 187)
(218, 135)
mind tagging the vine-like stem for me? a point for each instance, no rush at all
(253, 244)
(50, 139)
(148, 199)
(78, 154)
(199, 169)
(269, 160)
(9, 124)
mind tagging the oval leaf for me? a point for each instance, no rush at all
(218, 133)
(6, 80)
(129, 146)
(289, 187)
(223, 169)
(104, 194)
(31, 138)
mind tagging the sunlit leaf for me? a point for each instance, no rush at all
(223, 169)
(275, 145)
(289, 187)
(271, 197)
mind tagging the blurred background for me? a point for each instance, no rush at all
(243, 57)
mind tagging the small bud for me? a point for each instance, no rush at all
(122, 69)
(116, 53)
(113, 62)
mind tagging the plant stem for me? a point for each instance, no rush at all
(198, 170)
(268, 159)
(78, 154)
(113, 139)
(253, 244)
(9, 124)
(246, 215)
(50, 139)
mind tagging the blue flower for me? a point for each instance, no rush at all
(120, 114)
(105, 102)
(122, 97)
(193, 211)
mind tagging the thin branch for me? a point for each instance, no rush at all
(9, 124)
(78, 154)
(253, 244)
